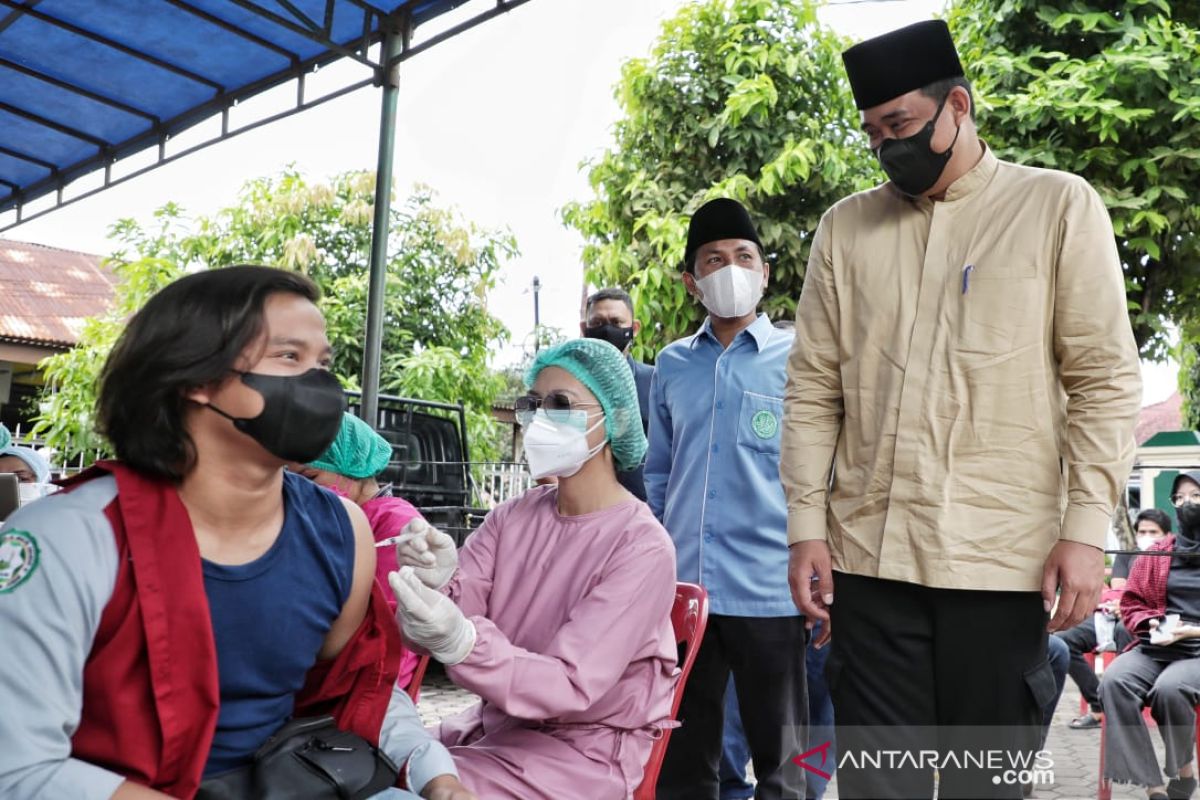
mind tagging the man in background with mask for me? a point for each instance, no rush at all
(608, 315)
(959, 422)
(712, 477)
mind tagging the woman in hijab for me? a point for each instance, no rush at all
(1161, 668)
(558, 613)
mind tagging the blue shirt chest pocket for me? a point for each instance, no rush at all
(759, 422)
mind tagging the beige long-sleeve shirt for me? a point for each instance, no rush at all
(964, 382)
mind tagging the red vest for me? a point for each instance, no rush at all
(150, 691)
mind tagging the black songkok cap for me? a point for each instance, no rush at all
(716, 220)
(896, 63)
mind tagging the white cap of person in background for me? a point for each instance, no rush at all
(31, 467)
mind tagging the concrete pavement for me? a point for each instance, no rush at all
(1075, 753)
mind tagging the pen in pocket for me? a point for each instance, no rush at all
(966, 277)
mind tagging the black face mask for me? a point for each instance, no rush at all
(301, 414)
(615, 335)
(1188, 537)
(910, 163)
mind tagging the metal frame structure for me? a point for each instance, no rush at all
(392, 32)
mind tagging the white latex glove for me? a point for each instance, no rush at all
(430, 620)
(428, 551)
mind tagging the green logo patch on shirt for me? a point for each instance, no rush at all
(18, 558)
(765, 424)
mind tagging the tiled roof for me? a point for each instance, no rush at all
(1164, 416)
(46, 293)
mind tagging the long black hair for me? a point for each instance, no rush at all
(188, 335)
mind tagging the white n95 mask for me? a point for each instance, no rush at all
(28, 492)
(731, 291)
(557, 446)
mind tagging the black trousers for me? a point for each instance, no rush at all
(916, 669)
(766, 657)
(1082, 639)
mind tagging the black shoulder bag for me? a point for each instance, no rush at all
(307, 759)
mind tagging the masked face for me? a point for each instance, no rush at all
(910, 163)
(301, 413)
(615, 335)
(33, 491)
(556, 443)
(1148, 532)
(1188, 537)
(731, 291)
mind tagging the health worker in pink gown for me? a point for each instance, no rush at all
(557, 610)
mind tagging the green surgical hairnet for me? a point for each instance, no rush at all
(357, 452)
(604, 371)
(5, 436)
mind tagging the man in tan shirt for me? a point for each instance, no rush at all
(958, 421)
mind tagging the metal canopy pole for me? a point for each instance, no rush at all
(395, 42)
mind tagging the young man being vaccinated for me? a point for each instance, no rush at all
(169, 612)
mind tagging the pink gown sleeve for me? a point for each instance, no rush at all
(471, 586)
(614, 624)
(388, 516)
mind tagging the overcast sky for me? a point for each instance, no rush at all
(496, 120)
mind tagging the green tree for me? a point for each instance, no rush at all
(442, 374)
(439, 270)
(739, 98)
(66, 419)
(1189, 373)
(1105, 89)
(436, 317)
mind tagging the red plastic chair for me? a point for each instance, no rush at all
(689, 618)
(1106, 658)
(414, 685)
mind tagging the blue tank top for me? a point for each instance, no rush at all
(270, 618)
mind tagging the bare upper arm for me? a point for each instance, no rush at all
(360, 588)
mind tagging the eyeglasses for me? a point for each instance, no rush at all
(1191, 498)
(526, 405)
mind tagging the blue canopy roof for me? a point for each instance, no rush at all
(85, 83)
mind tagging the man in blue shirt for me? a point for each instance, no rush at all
(608, 315)
(712, 477)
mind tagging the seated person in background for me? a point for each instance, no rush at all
(1162, 669)
(1059, 657)
(559, 613)
(348, 468)
(1151, 525)
(169, 612)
